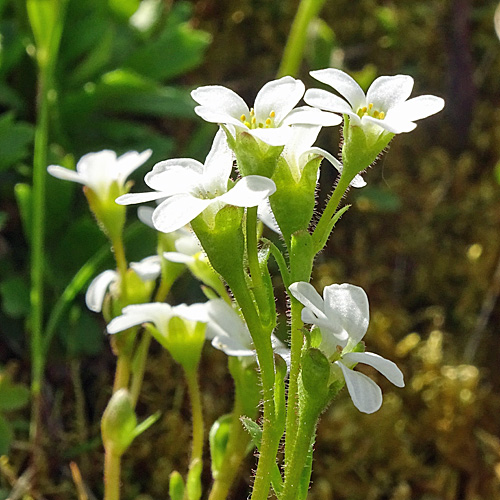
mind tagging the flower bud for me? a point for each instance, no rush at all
(118, 423)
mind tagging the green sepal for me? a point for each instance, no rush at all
(193, 482)
(176, 486)
(362, 146)
(184, 341)
(315, 377)
(302, 253)
(218, 438)
(255, 431)
(294, 200)
(220, 235)
(254, 157)
(110, 216)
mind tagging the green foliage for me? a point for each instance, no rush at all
(12, 397)
(113, 90)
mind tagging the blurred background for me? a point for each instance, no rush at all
(423, 238)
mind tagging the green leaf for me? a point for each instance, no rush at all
(178, 49)
(15, 297)
(126, 91)
(6, 436)
(23, 197)
(12, 396)
(15, 140)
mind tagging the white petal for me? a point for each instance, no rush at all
(272, 136)
(297, 149)
(193, 312)
(307, 115)
(178, 257)
(347, 307)
(357, 182)
(175, 176)
(326, 100)
(387, 368)
(188, 244)
(417, 108)
(145, 215)
(307, 295)
(265, 214)
(220, 116)
(218, 164)
(65, 174)
(393, 124)
(278, 96)
(336, 163)
(388, 91)
(216, 102)
(228, 331)
(343, 84)
(99, 170)
(249, 191)
(157, 313)
(134, 198)
(130, 161)
(147, 269)
(365, 393)
(95, 162)
(177, 211)
(97, 289)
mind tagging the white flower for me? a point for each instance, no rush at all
(343, 316)
(299, 150)
(191, 187)
(271, 115)
(99, 171)
(157, 313)
(148, 269)
(230, 334)
(385, 105)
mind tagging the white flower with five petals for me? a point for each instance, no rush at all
(342, 315)
(385, 106)
(99, 171)
(271, 116)
(191, 187)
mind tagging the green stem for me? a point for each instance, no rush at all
(307, 424)
(46, 72)
(196, 415)
(294, 50)
(253, 263)
(270, 435)
(121, 263)
(112, 466)
(296, 341)
(323, 227)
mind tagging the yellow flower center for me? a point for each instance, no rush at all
(370, 111)
(252, 122)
